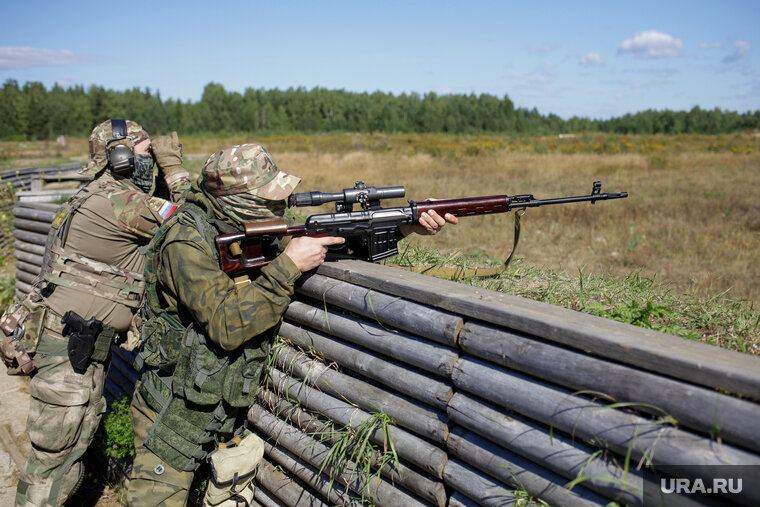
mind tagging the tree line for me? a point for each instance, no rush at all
(32, 111)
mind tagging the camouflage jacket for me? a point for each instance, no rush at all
(196, 290)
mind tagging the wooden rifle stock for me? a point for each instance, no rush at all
(254, 248)
(468, 206)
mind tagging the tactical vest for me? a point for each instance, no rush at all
(31, 316)
(87, 275)
(179, 363)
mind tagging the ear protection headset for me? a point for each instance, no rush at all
(120, 156)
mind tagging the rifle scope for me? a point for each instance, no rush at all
(359, 194)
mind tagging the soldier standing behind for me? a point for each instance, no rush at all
(207, 338)
(92, 267)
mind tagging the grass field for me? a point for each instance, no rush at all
(691, 221)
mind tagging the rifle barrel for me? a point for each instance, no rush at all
(533, 203)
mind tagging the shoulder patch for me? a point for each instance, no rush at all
(163, 207)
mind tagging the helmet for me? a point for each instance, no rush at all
(246, 168)
(106, 141)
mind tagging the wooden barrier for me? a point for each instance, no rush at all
(492, 395)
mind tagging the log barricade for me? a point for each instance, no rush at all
(491, 397)
(31, 222)
(33, 185)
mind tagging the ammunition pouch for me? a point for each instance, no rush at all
(22, 325)
(162, 344)
(205, 374)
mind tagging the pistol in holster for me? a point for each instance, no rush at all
(87, 340)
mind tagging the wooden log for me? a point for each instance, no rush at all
(29, 247)
(517, 472)
(45, 195)
(288, 491)
(594, 421)
(113, 391)
(124, 383)
(419, 319)
(29, 258)
(128, 356)
(661, 353)
(552, 451)
(707, 411)
(409, 414)
(482, 489)
(408, 446)
(334, 493)
(42, 206)
(431, 357)
(397, 473)
(23, 287)
(316, 453)
(36, 215)
(32, 269)
(459, 500)
(265, 498)
(31, 225)
(30, 237)
(419, 386)
(125, 368)
(25, 277)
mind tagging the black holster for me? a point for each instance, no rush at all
(89, 340)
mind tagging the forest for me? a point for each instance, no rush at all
(32, 112)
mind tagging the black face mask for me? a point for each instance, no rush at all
(142, 176)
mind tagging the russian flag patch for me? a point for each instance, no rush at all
(167, 209)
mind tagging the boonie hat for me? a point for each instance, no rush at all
(246, 168)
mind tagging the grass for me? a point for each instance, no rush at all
(688, 221)
(635, 298)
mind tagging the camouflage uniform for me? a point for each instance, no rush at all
(92, 266)
(206, 345)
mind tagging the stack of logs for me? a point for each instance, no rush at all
(493, 397)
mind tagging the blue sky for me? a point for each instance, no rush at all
(595, 59)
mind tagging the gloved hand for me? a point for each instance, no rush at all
(168, 152)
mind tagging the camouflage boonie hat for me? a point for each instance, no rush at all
(246, 168)
(100, 136)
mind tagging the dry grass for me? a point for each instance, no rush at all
(692, 219)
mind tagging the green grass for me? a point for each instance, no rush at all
(117, 429)
(635, 299)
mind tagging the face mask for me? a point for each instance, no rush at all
(142, 176)
(248, 208)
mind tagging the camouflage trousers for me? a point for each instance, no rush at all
(153, 482)
(64, 413)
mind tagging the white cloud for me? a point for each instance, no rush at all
(710, 45)
(652, 44)
(741, 48)
(591, 60)
(16, 57)
(539, 76)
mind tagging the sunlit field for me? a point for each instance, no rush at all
(692, 217)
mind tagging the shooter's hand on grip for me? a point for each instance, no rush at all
(308, 253)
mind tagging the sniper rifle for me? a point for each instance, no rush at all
(373, 232)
